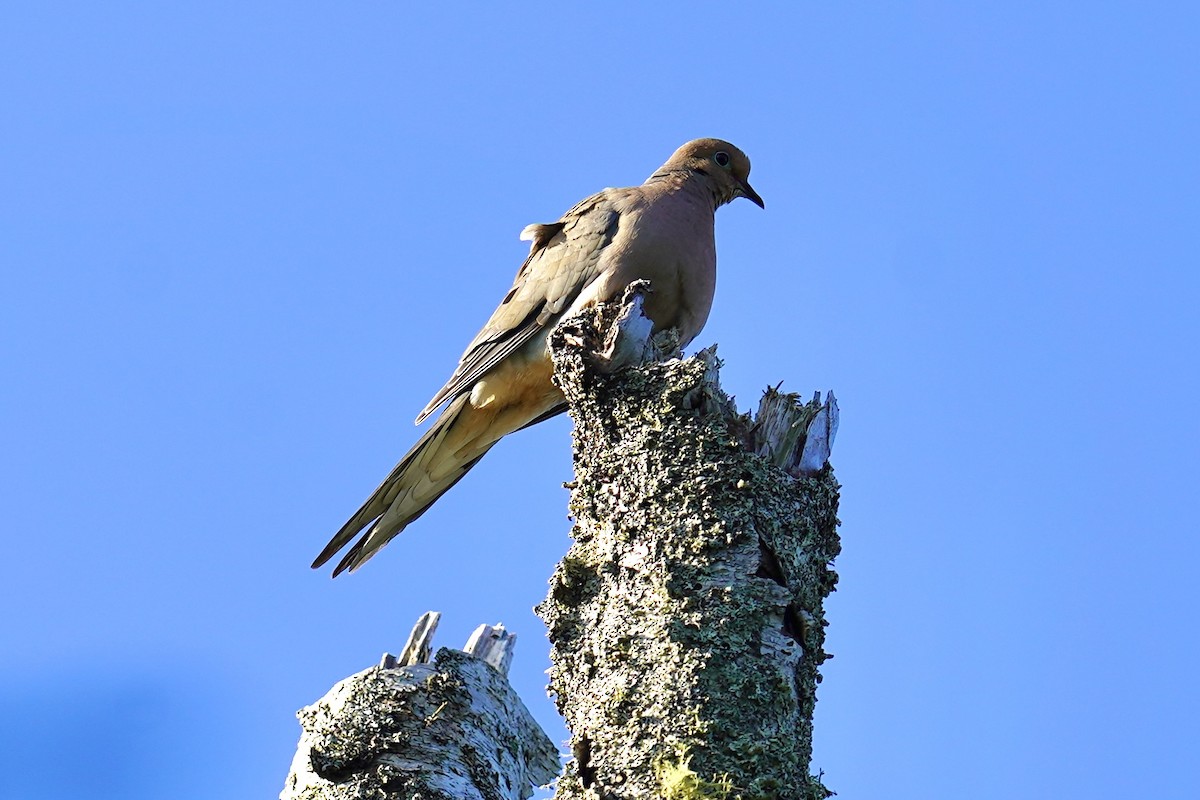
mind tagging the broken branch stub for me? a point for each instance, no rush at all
(452, 729)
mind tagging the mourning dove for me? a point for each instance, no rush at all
(661, 231)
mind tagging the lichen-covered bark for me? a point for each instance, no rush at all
(450, 730)
(686, 620)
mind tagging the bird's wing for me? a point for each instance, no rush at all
(563, 260)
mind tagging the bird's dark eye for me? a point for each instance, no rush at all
(722, 158)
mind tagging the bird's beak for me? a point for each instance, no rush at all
(747, 191)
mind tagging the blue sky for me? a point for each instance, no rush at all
(241, 245)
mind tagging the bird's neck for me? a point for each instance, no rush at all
(687, 182)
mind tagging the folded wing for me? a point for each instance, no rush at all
(563, 260)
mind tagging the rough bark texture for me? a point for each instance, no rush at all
(450, 730)
(686, 620)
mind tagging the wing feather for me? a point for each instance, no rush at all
(562, 261)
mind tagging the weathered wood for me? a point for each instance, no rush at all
(686, 621)
(796, 437)
(452, 729)
(493, 644)
(419, 646)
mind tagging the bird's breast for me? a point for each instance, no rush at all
(675, 251)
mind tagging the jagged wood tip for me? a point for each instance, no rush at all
(419, 646)
(795, 436)
(493, 644)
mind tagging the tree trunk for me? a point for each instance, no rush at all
(686, 620)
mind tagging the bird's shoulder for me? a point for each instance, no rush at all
(563, 257)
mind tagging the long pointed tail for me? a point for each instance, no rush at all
(435, 463)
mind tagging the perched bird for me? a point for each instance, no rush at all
(661, 231)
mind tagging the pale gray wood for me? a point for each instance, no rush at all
(819, 436)
(493, 644)
(795, 436)
(419, 646)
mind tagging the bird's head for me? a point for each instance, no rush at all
(726, 167)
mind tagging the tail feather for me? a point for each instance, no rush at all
(386, 510)
(379, 535)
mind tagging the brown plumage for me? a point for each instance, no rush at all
(661, 231)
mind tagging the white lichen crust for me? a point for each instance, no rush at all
(686, 620)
